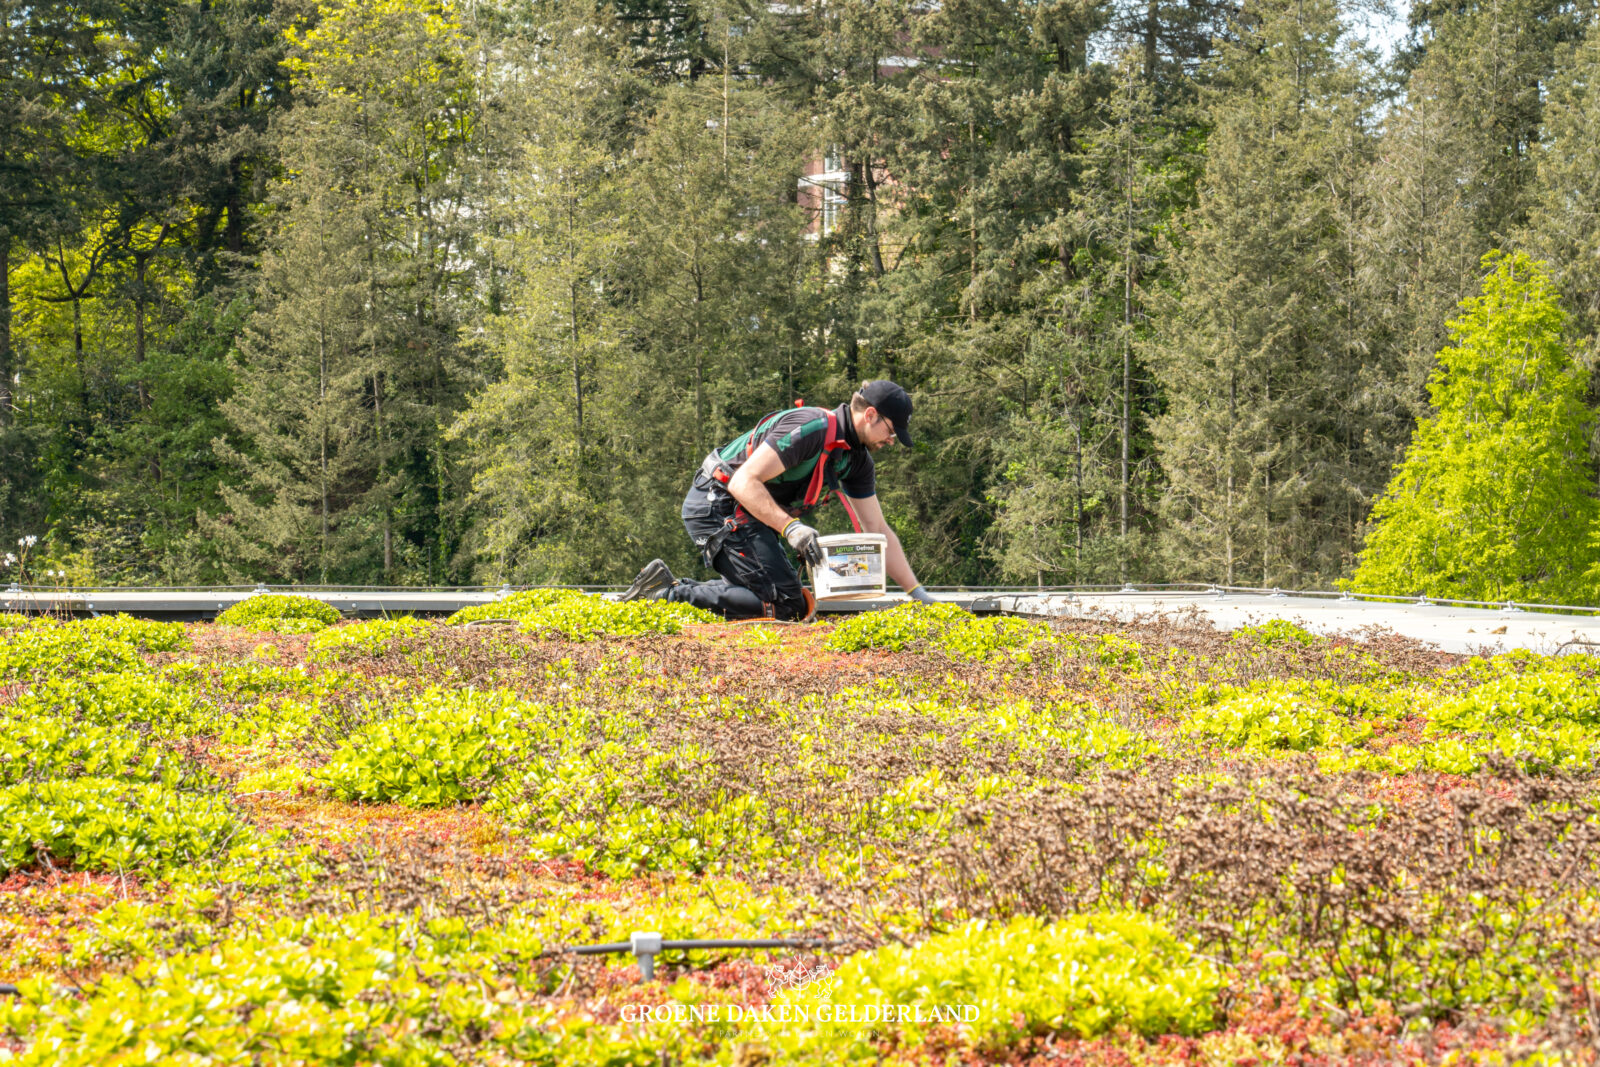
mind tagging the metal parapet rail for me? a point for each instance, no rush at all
(204, 602)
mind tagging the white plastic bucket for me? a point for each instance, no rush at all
(852, 566)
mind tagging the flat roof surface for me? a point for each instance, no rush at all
(1450, 628)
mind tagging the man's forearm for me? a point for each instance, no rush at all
(899, 567)
(757, 500)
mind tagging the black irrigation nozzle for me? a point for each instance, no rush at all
(646, 945)
(9, 990)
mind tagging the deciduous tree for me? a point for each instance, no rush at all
(1495, 497)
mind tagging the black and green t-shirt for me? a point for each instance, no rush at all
(797, 437)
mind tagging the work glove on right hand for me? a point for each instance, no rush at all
(803, 539)
(921, 595)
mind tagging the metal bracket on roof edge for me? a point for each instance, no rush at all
(1219, 591)
(645, 947)
(1127, 587)
(1424, 602)
(1511, 606)
(1277, 592)
(1345, 595)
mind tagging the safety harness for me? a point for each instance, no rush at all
(823, 479)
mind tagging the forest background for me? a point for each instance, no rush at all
(390, 291)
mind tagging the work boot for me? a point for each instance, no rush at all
(652, 583)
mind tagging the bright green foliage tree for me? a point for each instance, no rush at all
(1495, 497)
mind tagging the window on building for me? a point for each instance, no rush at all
(833, 202)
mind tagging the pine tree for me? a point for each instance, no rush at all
(1564, 223)
(1260, 343)
(1073, 501)
(1421, 238)
(388, 107)
(960, 293)
(712, 192)
(299, 441)
(1454, 173)
(1495, 497)
(1487, 64)
(556, 441)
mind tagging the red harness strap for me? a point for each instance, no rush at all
(815, 493)
(816, 489)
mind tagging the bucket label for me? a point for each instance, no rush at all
(855, 566)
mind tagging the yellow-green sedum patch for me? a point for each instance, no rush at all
(280, 613)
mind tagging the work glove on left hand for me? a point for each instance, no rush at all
(803, 539)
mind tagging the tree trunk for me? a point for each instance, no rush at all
(235, 210)
(870, 216)
(141, 300)
(77, 352)
(1077, 477)
(972, 218)
(141, 261)
(700, 446)
(1152, 32)
(1227, 459)
(1127, 345)
(1266, 509)
(388, 511)
(75, 294)
(322, 468)
(577, 370)
(6, 372)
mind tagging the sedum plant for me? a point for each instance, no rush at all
(447, 748)
(1080, 976)
(42, 652)
(586, 617)
(363, 640)
(517, 606)
(1274, 632)
(146, 635)
(946, 627)
(111, 824)
(578, 616)
(34, 748)
(280, 613)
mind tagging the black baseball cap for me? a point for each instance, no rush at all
(892, 403)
